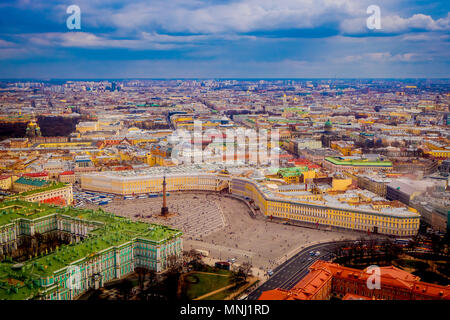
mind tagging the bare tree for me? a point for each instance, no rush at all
(247, 269)
(242, 273)
(141, 272)
(152, 278)
(125, 287)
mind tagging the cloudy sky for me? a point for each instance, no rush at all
(224, 39)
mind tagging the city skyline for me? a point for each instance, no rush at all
(361, 171)
(174, 152)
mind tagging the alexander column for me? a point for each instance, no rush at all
(164, 209)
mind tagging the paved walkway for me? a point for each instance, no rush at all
(259, 273)
(214, 292)
(213, 274)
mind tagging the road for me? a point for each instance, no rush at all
(288, 274)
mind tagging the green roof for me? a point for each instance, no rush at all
(32, 182)
(362, 163)
(49, 187)
(292, 172)
(295, 109)
(111, 231)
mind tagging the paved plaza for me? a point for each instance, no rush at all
(197, 215)
(224, 226)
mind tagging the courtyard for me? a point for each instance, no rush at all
(224, 227)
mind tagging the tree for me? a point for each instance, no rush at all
(141, 272)
(246, 269)
(387, 250)
(238, 276)
(194, 255)
(242, 273)
(125, 288)
(337, 252)
(371, 249)
(152, 278)
(187, 257)
(174, 263)
(436, 244)
(412, 244)
(195, 260)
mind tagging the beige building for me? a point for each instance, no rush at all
(24, 184)
(54, 168)
(67, 177)
(5, 182)
(49, 194)
(373, 184)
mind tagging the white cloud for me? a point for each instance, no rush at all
(90, 40)
(396, 24)
(143, 41)
(233, 17)
(383, 57)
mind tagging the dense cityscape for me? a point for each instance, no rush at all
(288, 189)
(217, 159)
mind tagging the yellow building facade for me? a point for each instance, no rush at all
(395, 223)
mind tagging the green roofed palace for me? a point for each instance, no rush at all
(94, 247)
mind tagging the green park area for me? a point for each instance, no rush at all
(199, 284)
(230, 291)
(211, 283)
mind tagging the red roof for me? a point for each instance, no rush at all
(66, 173)
(351, 296)
(321, 272)
(35, 174)
(304, 162)
(123, 168)
(59, 200)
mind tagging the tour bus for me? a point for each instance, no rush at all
(128, 198)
